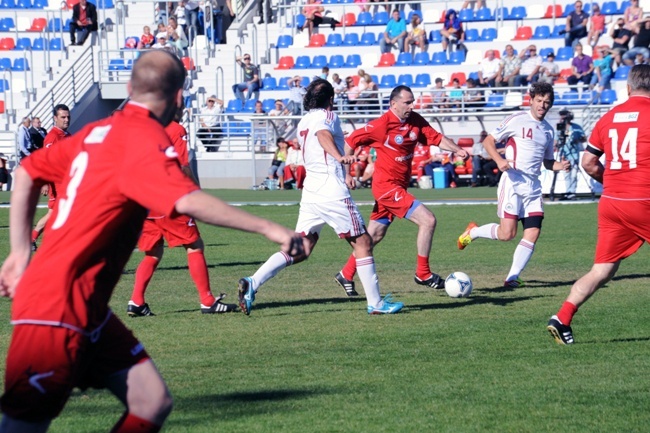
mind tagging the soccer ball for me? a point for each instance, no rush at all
(458, 285)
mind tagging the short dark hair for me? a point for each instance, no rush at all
(398, 90)
(60, 107)
(639, 78)
(280, 140)
(319, 95)
(541, 89)
(438, 80)
(471, 81)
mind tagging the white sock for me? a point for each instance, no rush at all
(487, 231)
(270, 268)
(369, 281)
(523, 253)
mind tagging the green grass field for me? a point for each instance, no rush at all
(308, 359)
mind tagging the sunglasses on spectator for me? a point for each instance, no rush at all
(247, 58)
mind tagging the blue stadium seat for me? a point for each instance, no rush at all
(368, 39)
(249, 106)
(542, 32)
(405, 80)
(570, 7)
(302, 62)
(268, 105)
(269, 83)
(388, 82)
(7, 4)
(364, 19)
(621, 73)
(4, 86)
(488, 34)
(104, 4)
(66, 26)
(116, 65)
(381, 18)
(284, 41)
(40, 4)
(473, 75)
(564, 53)
(573, 98)
(23, 44)
(6, 24)
(404, 59)
(456, 57)
(466, 15)
(298, 21)
(415, 12)
(556, 31)
(5, 64)
(608, 96)
(234, 106)
(24, 4)
(421, 59)
(334, 40)
(557, 98)
(518, 13)
(351, 39)
(39, 44)
(352, 60)
(55, 24)
(305, 81)
(375, 78)
(283, 83)
(502, 13)
(129, 64)
(439, 58)
(336, 61)
(495, 101)
(56, 44)
(484, 14)
(319, 61)
(435, 37)
(471, 35)
(624, 5)
(422, 80)
(545, 52)
(609, 8)
(20, 64)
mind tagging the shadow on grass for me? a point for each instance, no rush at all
(211, 266)
(616, 340)
(472, 300)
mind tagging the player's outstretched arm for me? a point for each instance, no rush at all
(448, 144)
(592, 165)
(21, 217)
(212, 210)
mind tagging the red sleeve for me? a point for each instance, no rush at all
(595, 140)
(179, 140)
(152, 176)
(366, 136)
(51, 164)
(429, 135)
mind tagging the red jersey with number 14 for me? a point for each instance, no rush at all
(623, 134)
(110, 177)
(395, 141)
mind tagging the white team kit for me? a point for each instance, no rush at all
(529, 142)
(325, 196)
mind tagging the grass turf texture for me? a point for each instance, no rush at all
(310, 359)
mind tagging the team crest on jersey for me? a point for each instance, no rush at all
(97, 135)
(413, 136)
(399, 139)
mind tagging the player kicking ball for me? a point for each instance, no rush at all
(529, 144)
(325, 200)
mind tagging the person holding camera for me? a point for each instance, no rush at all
(576, 25)
(296, 93)
(569, 144)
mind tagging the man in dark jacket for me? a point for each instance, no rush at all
(37, 133)
(84, 21)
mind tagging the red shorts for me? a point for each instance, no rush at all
(395, 203)
(177, 231)
(40, 377)
(623, 226)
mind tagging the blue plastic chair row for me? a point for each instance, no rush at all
(120, 65)
(335, 61)
(19, 64)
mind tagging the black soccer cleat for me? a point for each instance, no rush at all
(34, 246)
(560, 332)
(134, 310)
(434, 281)
(348, 285)
(218, 307)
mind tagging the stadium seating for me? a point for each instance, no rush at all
(40, 4)
(249, 106)
(7, 44)
(56, 44)
(421, 59)
(364, 19)
(609, 8)
(319, 61)
(7, 4)
(553, 11)
(387, 81)
(20, 64)
(347, 20)
(439, 58)
(299, 21)
(483, 14)
(488, 34)
(545, 52)
(351, 39)
(283, 83)
(608, 96)
(466, 15)
(435, 37)
(269, 83)
(234, 106)
(285, 62)
(38, 24)
(456, 57)
(502, 13)
(495, 100)
(352, 60)
(24, 4)
(268, 105)
(523, 33)
(38, 44)
(564, 53)
(380, 19)
(188, 63)
(570, 7)
(317, 40)
(405, 80)
(471, 35)
(6, 24)
(386, 59)
(422, 80)
(536, 11)
(542, 32)
(5, 64)
(404, 59)
(55, 24)
(23, 44)
(368, 39)
(284, 41)
(334, 40)
(462, 78)
(621, 73)
(336, 61)
(302, 62)
(413, 13)
(518, 13)
(116, 65)
(423, 101)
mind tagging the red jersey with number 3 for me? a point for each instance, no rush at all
(623, 134)
(395, 141)
(112, 171)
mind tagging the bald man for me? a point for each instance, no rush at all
(111, 173)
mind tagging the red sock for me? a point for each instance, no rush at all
(566, 313)
(143, 275)
(133, 424)
(423, 271)
(199, 273)
(350, 268)
(35, 235)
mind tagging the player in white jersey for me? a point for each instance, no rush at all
(529, 145)
(325, 200)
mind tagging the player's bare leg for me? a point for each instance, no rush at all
(40, 226)
(426, 222)
(145, 395)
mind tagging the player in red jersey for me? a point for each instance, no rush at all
(394, 136)
(623, 136)
(58, 132)
(111, 172)
(178, 230)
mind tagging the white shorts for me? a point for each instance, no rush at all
(342, 215)
(519, 196)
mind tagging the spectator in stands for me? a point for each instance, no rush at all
(191, 17)
(417, 37)
(442, 159)
(620, 40)
(340, 88)
(313, 12)
(227, 16)
(264, 10)
(325, 73)
(474, 97)
(163, 11)
(641, 43)
(162, 43)
(509, 68)
(260, 127)
(251, 81)
(439, 99)
(364, 5)
(187, 92)
(179, 13)
(483, 165)
(368, 100)
(633, 15)
(530, 65)
(602, 71)
(576, 25)
(84, 21)
(455, 97)
(452, 32)
(385, 2)
(176, 35)
(596, 25)
(276, 170)
(147, 39)
(294, 169)
(296, 93)
(351, 93)
(161, 28)
(4, 174)
(37, 133)
(488, 69)
(471, 4)
(280, 110)
(549, 71)
(582, 68)
(394, 34)
(25, 144)
(210, 131)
